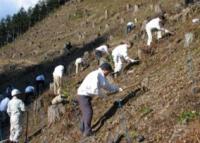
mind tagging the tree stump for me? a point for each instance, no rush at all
(136, 8)
(128, 7)
(106, 14)
(51, 88)
(55, 112)
(158, 9)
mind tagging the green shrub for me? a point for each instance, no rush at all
(145, 110)
(187, 116)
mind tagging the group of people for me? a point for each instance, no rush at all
(96, 80)
(91, 86)
(12, 106)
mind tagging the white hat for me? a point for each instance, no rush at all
(15, 92)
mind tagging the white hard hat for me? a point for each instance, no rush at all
(15, 92)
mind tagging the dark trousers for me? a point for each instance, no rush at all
(188, 2)
(29, 97)
(129, 28)
(39, 86)
(98, 55)
(87, 113)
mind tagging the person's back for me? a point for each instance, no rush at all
(15, 107)
(120, 50)
(14, 110)
(57, 79)
(158, 25)
(103, 48)
(58, 71)
(4, 104)
(89, 83)
(154, 23)
(78, 61)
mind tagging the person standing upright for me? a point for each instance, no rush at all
(15, 109)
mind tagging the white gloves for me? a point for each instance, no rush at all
(134, 61)
(167, 31)
(120, 89)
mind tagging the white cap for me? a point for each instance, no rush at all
(15, 92)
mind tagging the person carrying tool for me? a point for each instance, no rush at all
(119, 52)
(39, 83)
(29, 94)
(57, 78)
(99, 51)
(15, 109)
(156, 24)
(91, 86)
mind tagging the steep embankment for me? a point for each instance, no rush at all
(166, 112)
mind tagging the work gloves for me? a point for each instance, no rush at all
(134, 61)
(120, 89)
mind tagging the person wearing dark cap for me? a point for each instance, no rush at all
(39, 83)
(91, 86)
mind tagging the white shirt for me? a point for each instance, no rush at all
(155, 24)
(4, 104)
(15, 107)
(58, 71)
(29, 89)
(130, 24)
(40, 78)
(121, 51)
(78, 61)
(93, 83)
(103, 49)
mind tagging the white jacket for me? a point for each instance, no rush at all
(93, 83)
(15, 107)
(121, 52)
(155, 24)
(78, 61)
(103, 49)
(58, 71)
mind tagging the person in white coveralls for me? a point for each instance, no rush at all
(15, 109)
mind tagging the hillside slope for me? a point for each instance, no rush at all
(166, 112)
